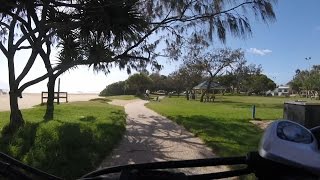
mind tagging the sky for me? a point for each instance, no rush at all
(280, 47)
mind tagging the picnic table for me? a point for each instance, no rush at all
(209, 98)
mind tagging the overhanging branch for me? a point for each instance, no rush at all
(24, 47)
(201, 16)
(37, 80)
(4, 24)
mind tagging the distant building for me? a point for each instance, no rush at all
(279, 91)
(213, 86)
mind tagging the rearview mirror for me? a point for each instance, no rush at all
(292, 144)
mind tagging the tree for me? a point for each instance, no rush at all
(186, 78)
(261, 83)
(228, 80)
(140, 82)
(8, 29)
(243, 73)
(50, 21)
(296, 83)
(212, 63)
(117, 88)
(315, 79)
(308, 80)
(302, 81)
(46, 21)
(160, 82)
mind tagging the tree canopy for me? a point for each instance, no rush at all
(140, 82)
(307, 80)
(109, 33)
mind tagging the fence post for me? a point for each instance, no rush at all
(254, 112)
(58, 96)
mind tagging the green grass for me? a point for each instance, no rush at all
(224, 125)
(102, 100)
(74, 143)
(122, 97)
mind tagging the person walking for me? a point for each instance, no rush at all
(148, 93)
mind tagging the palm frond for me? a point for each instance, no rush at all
(118, 19)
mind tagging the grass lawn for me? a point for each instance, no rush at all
(224, 125)
(122, 97)
(74, 143)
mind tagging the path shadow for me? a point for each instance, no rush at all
(226, 137)
(152, 140)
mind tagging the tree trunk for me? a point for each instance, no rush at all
(50, 101)
(202, 95)
(207, 90)
(16, 119)
(138, 93)
(187, 94)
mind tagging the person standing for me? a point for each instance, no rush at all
(147, 92)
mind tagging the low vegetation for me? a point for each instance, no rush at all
(75, 142)
(224, 125)
(122, 97)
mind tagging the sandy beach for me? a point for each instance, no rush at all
(31, 99)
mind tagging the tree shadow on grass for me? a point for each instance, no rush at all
(19, 143)
(249, 105)
(226, 137)
(68, 150)
(88, 119)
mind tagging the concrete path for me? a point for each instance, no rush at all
(150, 138)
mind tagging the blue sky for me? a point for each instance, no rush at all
(293, 37)
(280, 47)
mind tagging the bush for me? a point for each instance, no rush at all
(74, 143)
(118, 88)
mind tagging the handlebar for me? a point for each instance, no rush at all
(252, 163)
(275, 161)
(262, 168)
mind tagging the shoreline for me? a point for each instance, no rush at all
(29, 100)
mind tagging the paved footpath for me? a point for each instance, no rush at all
(151, 137)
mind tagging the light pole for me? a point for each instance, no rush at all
(308, 59)
(309, 73)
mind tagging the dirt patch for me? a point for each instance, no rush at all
(261, 124)
(119, 102)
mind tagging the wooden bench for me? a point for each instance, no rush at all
(209, 98)
(57, 96)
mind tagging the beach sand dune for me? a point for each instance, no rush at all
(32, 99)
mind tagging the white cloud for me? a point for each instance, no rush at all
(260, 52)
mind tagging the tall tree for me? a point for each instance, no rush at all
(212, 63)
(117, 88)
(89, 21)
(160, 82)
(261, 83)
(140, 82)
(308, 80)
(243, 73)
(186, 78)
(13, 24)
